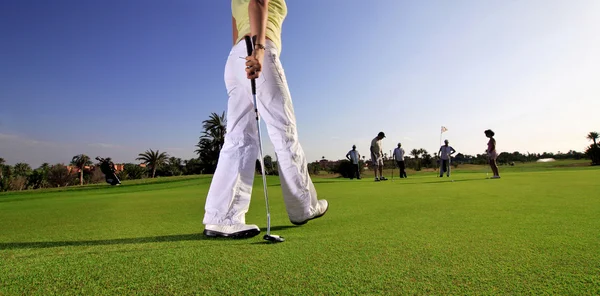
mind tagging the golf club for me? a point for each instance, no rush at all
(269, 237)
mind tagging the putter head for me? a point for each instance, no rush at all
(273, 238)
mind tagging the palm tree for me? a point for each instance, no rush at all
(425, 156)
(217, 126)
(212, 140)
(593, 136)
(175, 166)
(153, 159)
(417, 163)
(22, 169)
(415, 153)
(81, 161)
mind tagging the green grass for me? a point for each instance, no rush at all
(535, 231)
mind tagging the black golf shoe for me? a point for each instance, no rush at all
(232, 231)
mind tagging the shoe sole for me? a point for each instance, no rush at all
(242, 234)
(315, 217)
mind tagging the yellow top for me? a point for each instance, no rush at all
(276, 15)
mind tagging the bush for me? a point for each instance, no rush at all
(18, 183)
(314, 168)
(95, 176)
(417, 164)
(133, 172)
(192, 167)
(275, 170)
(59, 176)
(122, 175)
(593, 152)
(345, 168)
(5, 183)
(38, 179)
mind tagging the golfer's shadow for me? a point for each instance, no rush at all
(442, 181)
(314, 182)
(119, 241)
(280, 227)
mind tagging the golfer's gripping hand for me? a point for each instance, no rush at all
(254, 63)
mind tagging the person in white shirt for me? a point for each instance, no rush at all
(377, 156)
(445, 154)
(399, 158)
(354, 156)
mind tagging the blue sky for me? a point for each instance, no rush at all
(114, 78)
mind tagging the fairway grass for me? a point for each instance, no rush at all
(531, 232)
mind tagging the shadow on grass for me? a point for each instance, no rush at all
(273, 228)
(281, 227)
(446, 180)
(125, 241)
(314, 182)
(119, 241)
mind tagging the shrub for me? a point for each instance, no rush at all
(38, 179)
(314, 168)
(593, 152)
(122, 175)
(95, 176)
(133, 172)
(345, 168)
(59, 176)
(18, 183)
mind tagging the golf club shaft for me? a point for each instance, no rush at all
(249, 49)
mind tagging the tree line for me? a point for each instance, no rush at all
(156, 164)
(22, 176)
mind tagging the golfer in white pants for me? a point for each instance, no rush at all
(228, 198)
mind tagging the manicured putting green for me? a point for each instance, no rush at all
(534, 231)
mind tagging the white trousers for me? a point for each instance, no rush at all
(228, 198)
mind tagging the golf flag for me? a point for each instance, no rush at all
(444, 129)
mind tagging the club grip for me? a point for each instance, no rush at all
(249, 48)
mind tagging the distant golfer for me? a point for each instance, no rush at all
(377, 156)
(445, 154)
(228, 198)
(353, 156)
(399, 158)
(491, 153)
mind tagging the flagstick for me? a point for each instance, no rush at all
(440, 157)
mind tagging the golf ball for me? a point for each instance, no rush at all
(452, 180)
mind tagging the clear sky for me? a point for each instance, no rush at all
(113, 78)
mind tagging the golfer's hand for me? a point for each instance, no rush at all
(254, 63)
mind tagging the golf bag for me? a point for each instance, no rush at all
(108, 169)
